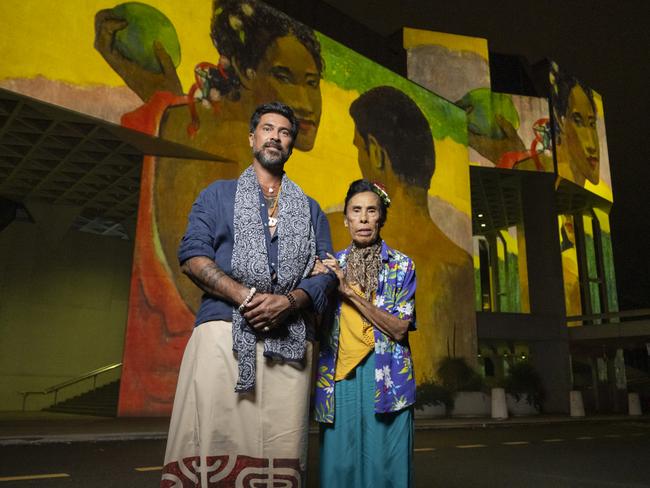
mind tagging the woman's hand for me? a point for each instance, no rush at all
(319, 268)
(389, 324)
(332, 264)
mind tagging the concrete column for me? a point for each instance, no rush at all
(577, 407)
(499, 406)
(634, 404)
(544, 260)
(550, 354)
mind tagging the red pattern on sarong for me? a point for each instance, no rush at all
(246, 472)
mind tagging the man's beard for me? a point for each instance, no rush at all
(271, 161)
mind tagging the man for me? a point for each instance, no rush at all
(242, 398)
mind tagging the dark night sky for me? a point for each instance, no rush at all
(605, 44)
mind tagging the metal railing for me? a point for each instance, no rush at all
(55, 389)
(611, 317)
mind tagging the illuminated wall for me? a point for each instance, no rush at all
(146, 90)
(609, 275)
(580, 145)
(504, 130)
(579, 131)
(570, 275)
(186, 90)
(500, 284)
(591, 290)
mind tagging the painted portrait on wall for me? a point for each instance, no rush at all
(335, 93)
(261, 55)
(579, 131)
(193, 76)
(504, 130)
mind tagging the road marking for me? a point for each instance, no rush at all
(424, 449)
(585, 438)
(149, 468)
(515, 443)
(470, 446)
(613, 436)
(553, 440)
(35, 477)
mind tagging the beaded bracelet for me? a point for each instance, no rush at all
(293, 306)
(246, 301)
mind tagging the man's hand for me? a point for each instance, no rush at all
(267, 310)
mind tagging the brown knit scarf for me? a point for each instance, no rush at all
(363, 266)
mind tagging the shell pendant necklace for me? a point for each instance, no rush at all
(273, 220)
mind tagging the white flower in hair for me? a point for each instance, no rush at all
(235, 22)
(247, 9)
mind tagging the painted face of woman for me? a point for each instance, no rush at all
(581, 136)
(289, 74)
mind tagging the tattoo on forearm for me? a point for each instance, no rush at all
(210, 275)
(206, 275)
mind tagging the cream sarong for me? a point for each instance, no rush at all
(221, 438)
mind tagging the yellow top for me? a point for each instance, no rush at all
(356, 340)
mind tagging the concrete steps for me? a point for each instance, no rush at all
(101, 402)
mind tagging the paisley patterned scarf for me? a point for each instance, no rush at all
(250, 266)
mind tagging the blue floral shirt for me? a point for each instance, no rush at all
(394, 378)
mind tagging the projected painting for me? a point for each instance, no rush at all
(193, 76)
(335, 93)
(599, 280)
(580, 140)
(504, 131)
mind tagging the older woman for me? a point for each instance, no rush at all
(365, 385)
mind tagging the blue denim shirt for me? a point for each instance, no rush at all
(210, 233)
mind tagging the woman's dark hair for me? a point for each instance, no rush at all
(561, 86)
(361, 186)
(275, 108)
(243, 30)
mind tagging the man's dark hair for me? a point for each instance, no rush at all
(243, 30)
(361, 186)
(561, 86)
(276, 108)
(400, 127)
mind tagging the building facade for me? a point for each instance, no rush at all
(500, 196)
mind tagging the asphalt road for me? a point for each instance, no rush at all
(561, 455)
